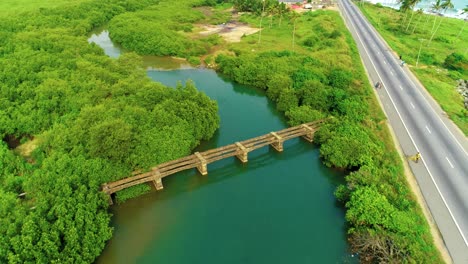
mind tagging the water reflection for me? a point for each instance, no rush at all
(277, 208)
(101, 38)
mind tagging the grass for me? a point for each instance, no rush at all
(439, 81)
(279, 37)
(10, 7)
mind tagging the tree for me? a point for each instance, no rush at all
(272, 10)
(276, 84)
(340, 78)
(282, 9)
(447, 4)
(261, 20)
(347, 145)
(436, 7)
(294, 17)
(420, 13)
(111, 139)
(303, 114)
(465, 11)
(404, 7)
(409, 5)
(457, 62)
(287, 100)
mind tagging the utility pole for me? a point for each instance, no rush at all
(420, 47)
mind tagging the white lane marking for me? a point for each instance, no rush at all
(428, 129)
(409, 134)
(401, 87)
(410, 80)
(391, 73)
(378, 52)
(412, 105)
(385, 62)
(450, 163)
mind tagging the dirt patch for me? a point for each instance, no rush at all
(231, 32)
(25, 150)
(316, 5)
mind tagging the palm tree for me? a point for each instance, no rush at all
(294, 17)
(425, 23)
(420, 13)
(404, 7)
(409, 5)
(282, 9)
(272, 10)
(436, 7)
(465, 11)
(446, 5)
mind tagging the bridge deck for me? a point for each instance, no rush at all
(200, 160)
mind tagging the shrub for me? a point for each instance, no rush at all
(303, 114)
(335, 34)
(132, 192)
(310, 41)
(427, 58)
(194, 61)
(456, 61)
(287, 100)
(340, 78)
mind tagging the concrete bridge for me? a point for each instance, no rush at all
(200, 160)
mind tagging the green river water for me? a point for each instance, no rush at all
(277, 208)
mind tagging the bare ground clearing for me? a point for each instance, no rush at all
(231, 32)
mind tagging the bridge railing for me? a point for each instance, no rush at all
(200, 160)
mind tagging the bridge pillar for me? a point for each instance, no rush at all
(110, 200)
(278, 145)
(310, 133)
(202, 167)
(242, 156)
(157, 181)
(105, 189)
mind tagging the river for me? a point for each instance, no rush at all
(277, 208)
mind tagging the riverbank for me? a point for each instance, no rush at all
(145, 123)
(256, 62)
(97, 118)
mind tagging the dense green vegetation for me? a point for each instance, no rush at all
(443, 57)
(324, 78)
(10, 7)
(166, 29)
(94, 119)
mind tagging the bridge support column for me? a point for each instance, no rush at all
(242, 156)
(310, 133)
(110, 200)
(105, 189)
(278, 145)
(202, 167)
(157, 181)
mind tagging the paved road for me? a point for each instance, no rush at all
(419, 125)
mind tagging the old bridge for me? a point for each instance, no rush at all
(200, 160)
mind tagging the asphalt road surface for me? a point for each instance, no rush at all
(420, 126)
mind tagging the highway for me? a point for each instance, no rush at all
(420, 126)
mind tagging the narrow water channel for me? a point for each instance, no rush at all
(277, 208)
